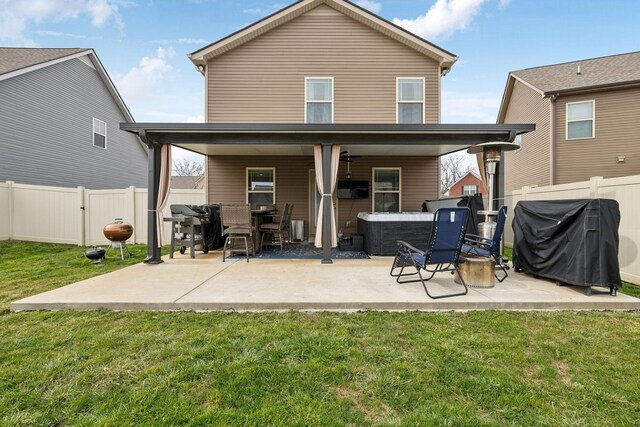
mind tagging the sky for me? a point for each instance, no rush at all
(143, 44)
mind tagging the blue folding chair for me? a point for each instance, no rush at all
(442, 253)
(490, 248)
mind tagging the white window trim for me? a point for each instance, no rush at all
(246, 182)
(93, 131)
(398, 102)
(477, 187)
(593, 119)
(306, 102)
(373, 187)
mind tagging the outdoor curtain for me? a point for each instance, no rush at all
(163, 189)
(335, 162)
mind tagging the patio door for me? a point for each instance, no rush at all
(314, 203)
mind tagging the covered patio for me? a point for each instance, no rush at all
(208, 284)
(317, 140)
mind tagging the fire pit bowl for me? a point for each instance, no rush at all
(95, 254)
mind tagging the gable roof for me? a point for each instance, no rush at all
(471, 172)
(443, 57)
(595, 73)
(187, 182)
(17, 61)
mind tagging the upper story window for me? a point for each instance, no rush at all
(99, 134)
(386, 189)
(261, 186)
(410, 100)
(580, 120)
(469, 190)
(318, 100)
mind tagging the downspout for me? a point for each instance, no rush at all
(552, 138)
(154, 253)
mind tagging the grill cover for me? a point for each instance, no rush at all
(572, 241)
(213, 237)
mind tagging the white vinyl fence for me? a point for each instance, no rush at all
(77, 215)
(625, 190)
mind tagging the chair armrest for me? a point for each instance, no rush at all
(473, 238)
(411, 248)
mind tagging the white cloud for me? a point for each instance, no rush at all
(504, 3)
(196, 119)
(443, 18)
(371, 5)
(16, 16)
(139, 81)
(266, 11)
(182, 40)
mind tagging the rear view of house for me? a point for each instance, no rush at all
(587, 119)
(59, 122)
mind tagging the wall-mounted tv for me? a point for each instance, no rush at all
(349, 189)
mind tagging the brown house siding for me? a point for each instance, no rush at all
(227, 182)
(262, 81)
(617, 130)
(531, 164)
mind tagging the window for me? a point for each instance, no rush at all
(386, 189)
(261, 186)
(318, 106)
(410, 100)
(99, 134)
(580, 120)
(469, 190)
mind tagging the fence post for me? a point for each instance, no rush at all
(131, 209)
(594, 184)
(81, 239)
(10, 188)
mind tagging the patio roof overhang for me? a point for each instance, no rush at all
(298, 139)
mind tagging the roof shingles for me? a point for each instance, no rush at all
(13, 59)
(596, 72)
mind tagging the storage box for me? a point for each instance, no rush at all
(353, 243)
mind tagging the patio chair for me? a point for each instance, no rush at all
(490, 248)
(276, 229)
(442, 253)
(236, 224)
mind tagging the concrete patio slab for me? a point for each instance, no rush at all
(206, 283)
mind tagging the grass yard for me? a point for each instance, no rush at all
(145, 368)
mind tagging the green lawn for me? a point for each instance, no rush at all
(478, 368)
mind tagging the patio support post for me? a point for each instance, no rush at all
(154, 253)
(326, 195)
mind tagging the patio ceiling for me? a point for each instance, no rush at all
(298, 139)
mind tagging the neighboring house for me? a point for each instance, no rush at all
(59, 122)
(469, 184)
(187, 182)
(587, 116)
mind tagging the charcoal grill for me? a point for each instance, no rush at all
(187, 228)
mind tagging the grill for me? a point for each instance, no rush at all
(187, 228)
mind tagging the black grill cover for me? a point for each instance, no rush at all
(572, 241)
(212, 231)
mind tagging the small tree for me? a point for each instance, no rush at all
(188, 167)
(452, 168)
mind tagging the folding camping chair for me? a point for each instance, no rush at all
(442, 253)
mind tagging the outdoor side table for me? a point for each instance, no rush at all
(477, 271)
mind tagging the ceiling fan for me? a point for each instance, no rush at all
(348, 159)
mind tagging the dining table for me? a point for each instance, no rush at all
(259, 217)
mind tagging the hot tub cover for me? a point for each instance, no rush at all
(572, 241)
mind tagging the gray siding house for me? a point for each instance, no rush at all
(59, 122)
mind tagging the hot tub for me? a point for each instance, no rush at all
(381, 230)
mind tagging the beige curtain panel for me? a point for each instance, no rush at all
(163, 189)
(335, 163)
